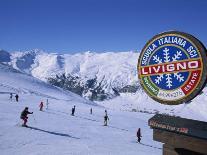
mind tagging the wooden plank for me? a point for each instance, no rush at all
(169, 150)
(180, 141)
(179, 125)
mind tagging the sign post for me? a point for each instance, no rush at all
(172, 69)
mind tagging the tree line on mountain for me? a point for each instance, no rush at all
(91, 88)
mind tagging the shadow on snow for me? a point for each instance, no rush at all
(149, 145)
(53, 133)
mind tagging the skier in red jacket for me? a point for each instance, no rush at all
(139, 135)
(24, 117)
(41, 106)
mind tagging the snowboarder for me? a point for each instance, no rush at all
(11, 95)
(106, 118)
(73, 111)
(24, 117)
(139, 135)
(17, 97)
(41, 106)
(91, 111)
(47, 103)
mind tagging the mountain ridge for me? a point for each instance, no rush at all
(112, 71)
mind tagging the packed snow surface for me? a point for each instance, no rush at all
(55, 131)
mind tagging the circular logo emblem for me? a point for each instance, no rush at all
(172, 67)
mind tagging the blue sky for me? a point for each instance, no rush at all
(70, 26)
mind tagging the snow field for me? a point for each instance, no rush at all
(57, 132)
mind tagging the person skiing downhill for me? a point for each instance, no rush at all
(24, 117)
(73, 111)
(17, 97)
(41, 106)
(106, 118)
(139, 135)
(91, 111)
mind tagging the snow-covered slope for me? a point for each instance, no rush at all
(14, 81)
(55, 131)
(140, 102)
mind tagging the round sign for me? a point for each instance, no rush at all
(172, 67)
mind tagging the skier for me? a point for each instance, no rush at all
(24, 117)
(11, 95)
(73, 111)
(106, 118)
(91, 111)
(17, 97)
(139, 135)
(41, 106)
(47, 103)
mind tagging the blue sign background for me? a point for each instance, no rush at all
(160, 54)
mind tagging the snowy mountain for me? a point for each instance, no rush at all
(5, 56)
(97, 76)
(100, 76)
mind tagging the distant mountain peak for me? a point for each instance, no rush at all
(109, 72)
(4, 56)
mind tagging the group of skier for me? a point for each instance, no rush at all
(106, 119)
(25, 112)
(16, 97)
(73, 111)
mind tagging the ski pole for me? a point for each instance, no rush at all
(34, 119)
